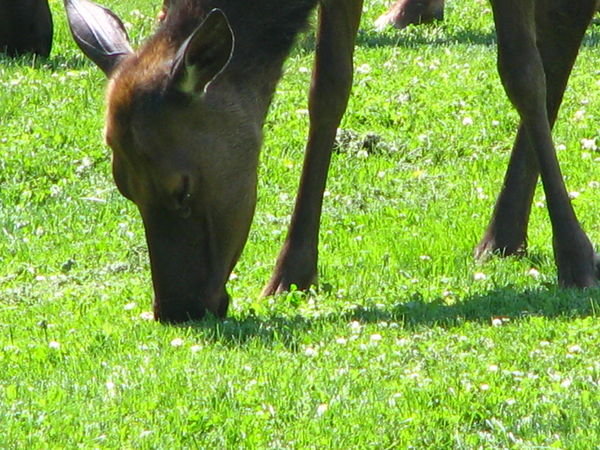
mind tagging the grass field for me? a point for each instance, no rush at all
(406, 342)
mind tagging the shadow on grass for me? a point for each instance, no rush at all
(423, 37)
(374, 39)
(550, 302)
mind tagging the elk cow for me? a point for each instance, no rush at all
(403, 13)
(185, 115)
(25, 27)
(411, 12)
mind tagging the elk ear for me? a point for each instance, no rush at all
(99, 33)
(204, 55)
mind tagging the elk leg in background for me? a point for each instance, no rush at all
(25, 27)
(537, 45)
(558, 44)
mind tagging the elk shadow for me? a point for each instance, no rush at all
(374, 39)
(370, 38)
(505, 303)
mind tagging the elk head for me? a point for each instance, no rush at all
(185, 143)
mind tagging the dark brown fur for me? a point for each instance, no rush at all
(25, 27)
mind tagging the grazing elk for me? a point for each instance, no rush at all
(25, 27)
(411, 12)
(185, 115)
(415, 12)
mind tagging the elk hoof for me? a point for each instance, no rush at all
(488, 247)
(579, 272)
(281, 282)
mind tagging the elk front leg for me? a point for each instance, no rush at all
(329, 92)
(521, 68)
(506, 233)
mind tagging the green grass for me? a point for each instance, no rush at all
(406, 341)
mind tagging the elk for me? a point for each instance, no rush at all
(403, 13)
(25, 27)
(411, 12)
(185, 114)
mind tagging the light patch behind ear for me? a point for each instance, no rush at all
(204, 55)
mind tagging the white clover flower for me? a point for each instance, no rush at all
(554, 376)
(54, 345)
(575, 349)
(589, 144)
(479, 276)
(309, 351)
(129, 306)
(341, 341)
(376, 337)
(392, 399)
(147, 315)
(322, 409)
(355, 326)
(177, 342)
(363, 68)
